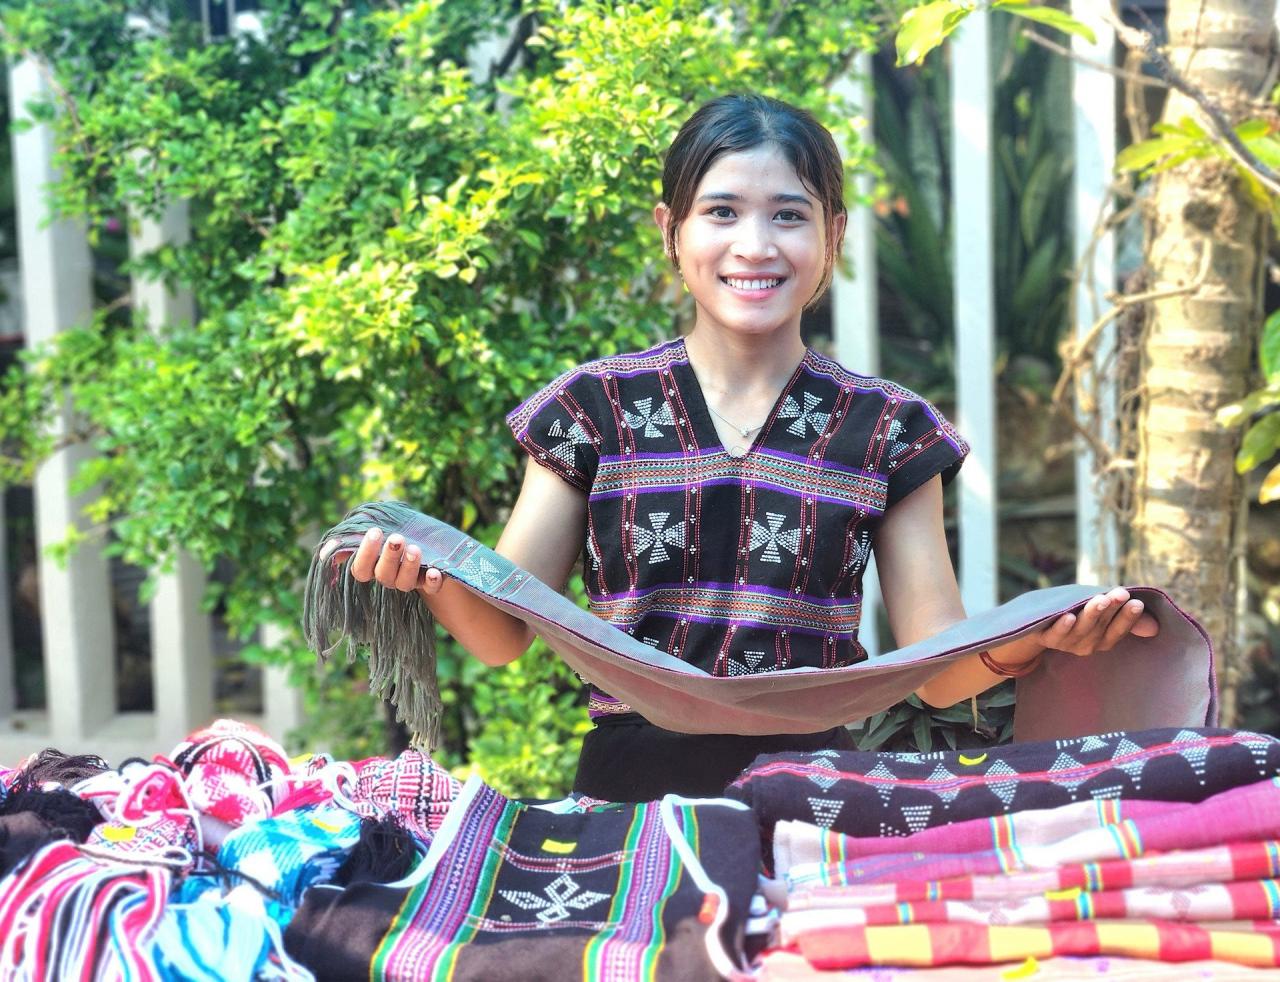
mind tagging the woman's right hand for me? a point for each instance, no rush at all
(393, 564)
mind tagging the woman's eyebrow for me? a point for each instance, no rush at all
(784, 198)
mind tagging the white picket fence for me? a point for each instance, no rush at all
(75, 601)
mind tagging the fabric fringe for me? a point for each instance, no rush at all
(385, 853)
(394, 626)
(51, 766)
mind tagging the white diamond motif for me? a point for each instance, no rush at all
(647, 418)
(572, 438)
(804, 418)
(658, 537)
(772, 537)
(562, 896)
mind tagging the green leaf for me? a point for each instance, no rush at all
(1036, 196)
(1270, 487)
(922, 731)
(1141, 155)
(924, 28)
(1261, 440)
(1269, 348)
(1048, 16)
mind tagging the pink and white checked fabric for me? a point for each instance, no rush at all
(413, 787)
(234, 771)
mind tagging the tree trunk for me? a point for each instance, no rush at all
(1205, 239)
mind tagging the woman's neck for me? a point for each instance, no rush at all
(743, 368)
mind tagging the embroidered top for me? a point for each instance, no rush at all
(737, 564)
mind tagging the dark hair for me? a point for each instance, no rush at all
(740, 122)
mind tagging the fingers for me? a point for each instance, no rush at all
(365, 557)
(432, 580)
(407, 574)
(1121, 625)
(1102, 623)
(395, 564)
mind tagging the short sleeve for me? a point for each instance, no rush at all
(922, 443)
(558, 427)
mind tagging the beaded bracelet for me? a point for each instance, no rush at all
(1007, 671)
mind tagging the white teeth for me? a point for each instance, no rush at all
(752, 284)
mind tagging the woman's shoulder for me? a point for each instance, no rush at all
(582, 383)
(827, 367)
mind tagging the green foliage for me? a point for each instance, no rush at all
(911, 726)
(389, 251)
(1188, 140)
(1259, 413)
(925, 27)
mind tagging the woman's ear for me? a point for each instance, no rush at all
(837, 233)
(662, 216)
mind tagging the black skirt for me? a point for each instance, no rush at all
(637, 761)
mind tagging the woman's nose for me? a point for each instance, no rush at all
(755, 241)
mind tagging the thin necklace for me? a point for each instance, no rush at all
(744, 430)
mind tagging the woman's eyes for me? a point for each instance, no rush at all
(787, 215)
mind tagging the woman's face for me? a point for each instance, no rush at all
(753, 246)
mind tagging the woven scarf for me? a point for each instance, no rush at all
(1142, 683)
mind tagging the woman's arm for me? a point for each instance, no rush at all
(544, 535)
(921, 597)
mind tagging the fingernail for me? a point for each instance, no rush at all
(374, 534)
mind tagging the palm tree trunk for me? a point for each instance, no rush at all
(1204, 248)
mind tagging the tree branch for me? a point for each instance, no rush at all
(1145, 43)
(1061, 49)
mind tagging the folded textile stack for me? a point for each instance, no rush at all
(226, 860)
(1093, 856)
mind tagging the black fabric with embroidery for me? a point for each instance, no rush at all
(738, 564)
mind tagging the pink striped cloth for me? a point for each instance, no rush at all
(805, 854)
(1181, 869)
(1201, 902)
(789, 966)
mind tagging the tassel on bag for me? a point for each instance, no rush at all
(396, 627)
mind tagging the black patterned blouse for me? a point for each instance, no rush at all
(736, 564)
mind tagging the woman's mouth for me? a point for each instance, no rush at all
(754, 284)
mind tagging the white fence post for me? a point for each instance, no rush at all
(75, 600)
(855, 319)
(182, 667)
(973, 269)
(8, 682)
(1093, 95)
(282, 709)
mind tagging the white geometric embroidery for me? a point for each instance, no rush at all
(861, 553)
(917, 816)
(480, 569)
(1004, 790)
(593, 552)
(1109, 793)
(771, 537)
(575, 436)
(897, 446)
(1066, 762)
(561, 895)
(658, 538)
(824, 777)
(882, 774)
(749, 665)
(649, 419)
(804, 417)
(825, 810)
(1092, 743)
(940, 775)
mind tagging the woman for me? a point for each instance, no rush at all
(729, 486)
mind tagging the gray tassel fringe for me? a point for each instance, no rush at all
(396, 627)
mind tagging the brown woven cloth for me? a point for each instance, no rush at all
(1142, 683)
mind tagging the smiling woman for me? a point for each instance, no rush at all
(728, 487)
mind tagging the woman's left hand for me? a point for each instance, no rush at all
(1100, 624)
